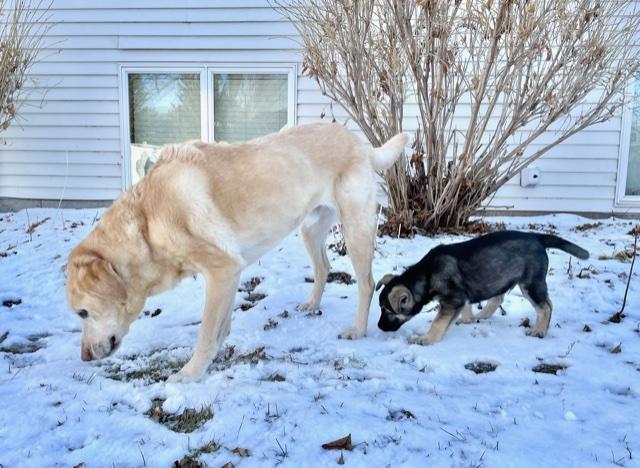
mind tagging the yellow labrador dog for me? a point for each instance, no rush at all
(215, 208)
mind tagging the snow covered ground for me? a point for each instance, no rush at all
(284, 384)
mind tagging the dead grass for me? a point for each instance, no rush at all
(191, 459)
(587, 226)
(481, 367)
(27, 348)
(254, 297)
(33, 226)
(250, 284)
(625, 255)
(158, 369)
(187, 421)
(336, 277)
(546, 368)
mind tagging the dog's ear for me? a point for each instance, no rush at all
(401, 299)
(384, 281)
(97, 276)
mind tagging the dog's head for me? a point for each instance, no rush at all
(99, 296)
(397, 303)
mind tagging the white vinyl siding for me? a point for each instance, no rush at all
(75, 133)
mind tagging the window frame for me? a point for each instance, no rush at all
(207, 119)
(622, 199)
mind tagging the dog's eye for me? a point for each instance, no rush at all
(83, 313)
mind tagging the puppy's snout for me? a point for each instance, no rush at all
(387, 325)
(112, 342)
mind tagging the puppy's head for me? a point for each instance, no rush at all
(397, 303)
(98, 295)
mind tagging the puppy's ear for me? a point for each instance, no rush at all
(384, 281)
(401, 299)
(97, 276)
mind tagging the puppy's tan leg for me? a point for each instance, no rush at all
(466, 316)
(314, 233)
(357, 213)
(222, 283)
(439, 326)
(490, 307)
(543, 308)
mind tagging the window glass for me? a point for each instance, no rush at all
(163, 108)
(247, 106)
(633, 170)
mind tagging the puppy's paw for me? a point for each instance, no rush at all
(464, 320)
(352, 333)
(308, 307)
(536, 333)
(421, 340)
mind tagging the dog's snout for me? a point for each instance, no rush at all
(112, 342)
(85, 353)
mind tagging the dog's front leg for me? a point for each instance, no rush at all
(221, 288)
(439, 326)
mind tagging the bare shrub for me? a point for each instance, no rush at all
(497, 84)
(23, 24)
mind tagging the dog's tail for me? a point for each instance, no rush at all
(550, 241)
(384, 156)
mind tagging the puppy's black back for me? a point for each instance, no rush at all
(490, 265)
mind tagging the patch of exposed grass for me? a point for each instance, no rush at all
(587, 226)
(188, 462)
(187, 421)
(38, 336)
(480, 367)
(274, 378)
(229, 358)
(250, 285)
(157, 369)
(21, 348)
(11, 302)
(545, 368)
(191, 459)
(33, 226)
(336, 277)
(625, 255)
(270, 325)
(400, 414)
(254, 297)
(32, 346)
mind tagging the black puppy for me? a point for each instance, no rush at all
(462, 274)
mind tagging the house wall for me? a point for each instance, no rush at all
(68, 143)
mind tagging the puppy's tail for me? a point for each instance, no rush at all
(550, 241)
(384, 156)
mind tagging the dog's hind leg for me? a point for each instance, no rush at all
(357, 205)
(314, 233)
(538, 296)
(490, 307)
(466, 315)
(439, 326)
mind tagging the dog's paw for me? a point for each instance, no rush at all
(536, 333)
(351, 333)
(308, 307)
(184, 376)
(421, 340)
